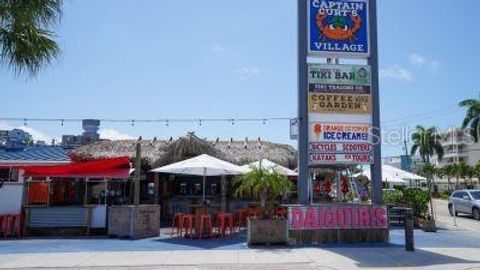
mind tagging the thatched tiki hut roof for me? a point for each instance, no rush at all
(163, 152)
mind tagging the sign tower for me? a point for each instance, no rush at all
(338, 102)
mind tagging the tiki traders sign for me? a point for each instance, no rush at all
(338, 28)
(339, 103)
(337, 217)
(339, 79)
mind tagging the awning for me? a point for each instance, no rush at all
(106, 168)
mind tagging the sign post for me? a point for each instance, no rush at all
(376, 167)
(303, 172)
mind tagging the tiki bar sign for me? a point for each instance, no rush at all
(338, 28)
(337, 217)
(348, 79)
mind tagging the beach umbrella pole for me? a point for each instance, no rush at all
(204, 180)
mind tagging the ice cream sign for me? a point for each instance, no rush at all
(340, 133)
(339, 28)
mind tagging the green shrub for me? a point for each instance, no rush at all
(392, 197)
(416, 199)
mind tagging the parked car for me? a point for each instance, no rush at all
(465, 202)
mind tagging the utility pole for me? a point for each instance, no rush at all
(376, 167)
(303, 172)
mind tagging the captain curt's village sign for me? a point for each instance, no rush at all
(338, 28)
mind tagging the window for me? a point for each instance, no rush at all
(475, 195)
(459, 194)
(9, 175)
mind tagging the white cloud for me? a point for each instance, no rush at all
(114, 135)
(417, 60)
(420, 61)
(218, 49)
(246, 73)
(36, 134)
(396, 72)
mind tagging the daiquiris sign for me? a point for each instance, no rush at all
(339, 28)
(337, 217)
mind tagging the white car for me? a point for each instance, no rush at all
(465, 202)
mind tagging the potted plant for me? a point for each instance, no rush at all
(268, 186)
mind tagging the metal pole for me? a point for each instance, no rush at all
(138, 170)
(409, 236)
(203, 186)
(376, 167)
(303, 179)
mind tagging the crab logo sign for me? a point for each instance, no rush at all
(339, 28)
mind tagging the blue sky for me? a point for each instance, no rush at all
(234, 59)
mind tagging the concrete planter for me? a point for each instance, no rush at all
(427, 225)
(134, 221)
(267, 231)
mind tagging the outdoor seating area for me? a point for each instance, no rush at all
(202, 222)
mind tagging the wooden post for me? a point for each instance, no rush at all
(156, 180)
(138, 168)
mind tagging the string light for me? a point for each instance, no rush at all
(132, 122)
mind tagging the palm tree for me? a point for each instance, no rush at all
(476, 170)
(427, 142)
(266, 185)
(462, 171)
(448, 171)
(429, 171)
(472, 117)
(26, 40)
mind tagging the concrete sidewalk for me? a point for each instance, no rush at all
(442, 250)
(302, 258)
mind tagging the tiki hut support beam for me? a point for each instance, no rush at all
(138, 168)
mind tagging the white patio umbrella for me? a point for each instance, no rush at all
(269, 165)
(403, 174)
(388, 176)
(203, 165)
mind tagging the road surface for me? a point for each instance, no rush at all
(463, 222)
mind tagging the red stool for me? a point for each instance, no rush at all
(220, 223)
(188, 222)
(205, 223)
(1, 224)
(7, 225)
(241, 217)
(17, 225)
(281, 212)
(253, 213)
(229, 224)
(177, 223)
